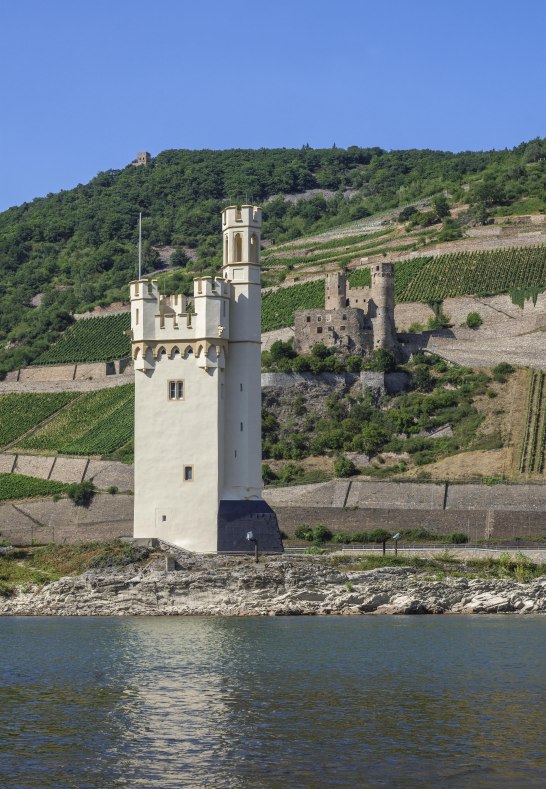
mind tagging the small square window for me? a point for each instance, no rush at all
(308, 319)
(344, 318)
(319, 329)
(188, 473)
(319, 318)
(163, 518)
(342, 328)
(176, 390)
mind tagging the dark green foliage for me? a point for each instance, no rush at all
(91, 340)
(407, 213)
(343, 467)
(381, 361)
(458, 538)
(473, 320)
(82, 493)
(503, 369)
(317, 534)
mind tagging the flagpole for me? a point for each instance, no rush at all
(140, 245)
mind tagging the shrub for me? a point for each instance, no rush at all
(503, 369)
(304, 532)
(321, 534)
(382, 361)
(268, 475)
(343, 539)
(473, 320)
(458, 538)
(82, 493)
(112, 490)
(378, 535)
(406, 213)
(343, 467)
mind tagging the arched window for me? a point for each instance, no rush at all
(238, 248)
(253, 248)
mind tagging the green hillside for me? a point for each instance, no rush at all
(22, 411)
(98, 423)
(91, 340)
(77, 247)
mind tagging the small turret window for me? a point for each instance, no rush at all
(238, 247)
(188, 473)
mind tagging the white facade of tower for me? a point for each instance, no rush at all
(197, 398)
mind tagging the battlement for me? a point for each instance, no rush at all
(215, 287)
(241, 216)
(144, 289)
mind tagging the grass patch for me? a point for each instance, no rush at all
(24, 567)
(517, 568)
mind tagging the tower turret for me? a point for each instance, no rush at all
(336, 291)
(382, 300)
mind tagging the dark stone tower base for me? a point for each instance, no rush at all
(237, 518)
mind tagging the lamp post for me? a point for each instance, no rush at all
(250, 537)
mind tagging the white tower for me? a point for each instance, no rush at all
(198, 403)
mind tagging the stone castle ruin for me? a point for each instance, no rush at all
(355, 320)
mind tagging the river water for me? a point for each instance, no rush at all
(274, 702)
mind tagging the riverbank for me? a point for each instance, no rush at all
(285, 586)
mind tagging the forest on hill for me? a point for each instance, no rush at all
(78, 247)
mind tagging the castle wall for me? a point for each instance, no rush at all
(347, 329)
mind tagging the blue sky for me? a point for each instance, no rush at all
(85, 85)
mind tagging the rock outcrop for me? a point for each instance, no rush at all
(277, 587)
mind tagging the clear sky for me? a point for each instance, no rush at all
(85, 84)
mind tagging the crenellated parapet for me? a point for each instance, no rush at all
(199, 322)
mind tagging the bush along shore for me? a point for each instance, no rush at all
(119, 579)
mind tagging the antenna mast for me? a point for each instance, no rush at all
(140, 245)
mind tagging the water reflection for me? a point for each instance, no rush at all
(371, 702)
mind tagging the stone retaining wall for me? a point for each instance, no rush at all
(478, 524)
(44, 520)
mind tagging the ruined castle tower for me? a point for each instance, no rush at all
(335, 294)
(381, 306)
(198, 404)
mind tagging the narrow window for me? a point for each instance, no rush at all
(172, 390)
(235, 453)
(136, 321)
(163, 517)
(308, 319)
(224, 308)
(238, 248)
(344, 318)
(241, 427)
(188, 473)
(241, 387)
(180, 390)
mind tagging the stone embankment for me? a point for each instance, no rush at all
(278, 587)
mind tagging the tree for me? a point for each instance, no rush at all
(344, 467)
(382, 361)
(440, 206)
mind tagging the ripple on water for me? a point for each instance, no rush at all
(188, 702)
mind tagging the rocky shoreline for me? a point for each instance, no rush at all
(278, 587)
